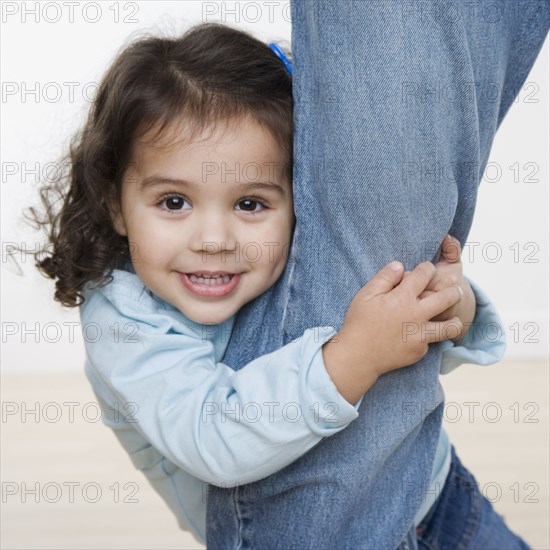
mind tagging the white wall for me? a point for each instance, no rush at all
(47, 52)
(508, 250)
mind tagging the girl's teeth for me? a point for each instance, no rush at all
(212, 281)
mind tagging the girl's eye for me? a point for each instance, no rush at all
(174, 203)
(250, 205)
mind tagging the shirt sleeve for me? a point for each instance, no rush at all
(485, 341)
(221, 426)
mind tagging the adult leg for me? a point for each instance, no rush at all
(464, 518)
(395, 113)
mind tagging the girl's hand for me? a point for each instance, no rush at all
(388, 327)
(449, 272)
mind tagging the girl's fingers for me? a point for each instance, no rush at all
(444, 316)
(444, 330)
(439, 301)
(383, 281)
(451, 250)
(425, 294)
(415, 281)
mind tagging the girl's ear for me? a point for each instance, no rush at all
(116, 217)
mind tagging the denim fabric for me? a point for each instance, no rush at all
(391, 139)
(463, 518)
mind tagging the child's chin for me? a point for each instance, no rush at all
(210, 318)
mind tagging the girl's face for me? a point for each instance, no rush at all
(208, 223)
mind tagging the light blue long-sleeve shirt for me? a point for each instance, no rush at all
(187, 420)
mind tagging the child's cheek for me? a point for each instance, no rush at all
(154, 247)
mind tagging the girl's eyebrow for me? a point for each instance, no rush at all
(155, 180)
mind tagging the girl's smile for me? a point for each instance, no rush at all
(215, 285)
(208, 221)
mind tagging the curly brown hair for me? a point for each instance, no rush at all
(211, 73)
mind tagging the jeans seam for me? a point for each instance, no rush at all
(473, 516)
(240, 544)
(292, 260)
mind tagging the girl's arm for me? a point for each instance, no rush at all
(160, 371)
(222, 426)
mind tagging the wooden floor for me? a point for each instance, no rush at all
(497, 418)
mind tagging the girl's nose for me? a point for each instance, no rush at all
(212, 233)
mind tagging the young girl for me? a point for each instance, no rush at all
(177, 212)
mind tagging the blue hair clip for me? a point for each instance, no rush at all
(282, 56)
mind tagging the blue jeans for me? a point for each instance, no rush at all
(396, 107)
(463, 518)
